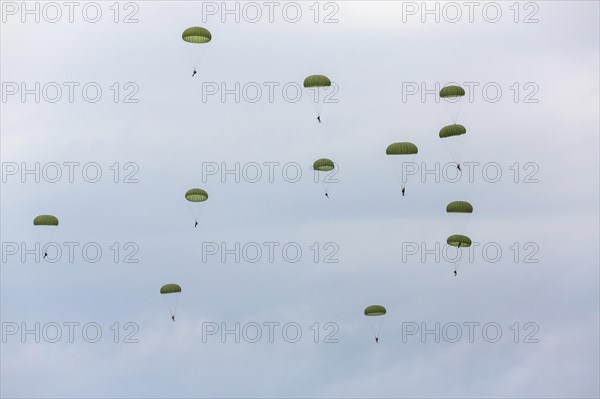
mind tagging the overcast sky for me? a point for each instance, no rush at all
(536, 122)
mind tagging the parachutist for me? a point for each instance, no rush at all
(196, 225)
(327, 195)
(458, 167)
(403, 189)
(455, 273)
(377, 339)
(173, 317)
(319, 118)
(194, 73)
(45, 255)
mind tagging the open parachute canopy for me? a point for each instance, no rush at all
(452, 91)
(196, 195)
(317, 81)
(459, 207)
(403, 148)
(323, 165)
(170, 289)
(45, 220)
(375, 310)
(196, 35)
(452, 130)
(458, 240)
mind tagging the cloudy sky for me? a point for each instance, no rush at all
(108, 89)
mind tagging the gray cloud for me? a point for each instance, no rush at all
(171, 133)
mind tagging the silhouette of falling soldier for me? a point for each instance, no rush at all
(45, 255)
(455, 273)
(327, 195)
(377, 339)
(196, 225)
(319, 118)
(173, 317)
(194, 73)
(458, 167)
(403, 189)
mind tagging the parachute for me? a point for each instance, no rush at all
(374, 313)
(459, 213)
(45, 220)
(195, 197)
(452, 131)
(459, 207)
(325, 166)
(375, 310)
(196, 35)
(317, 81)
(453, 137)
(452, 96)
(45, 229)
(316, 88)
(452, 91)
(404, 148)
(398, 154)
(170, 289)
(195, 39)
(459, 241)
(170, 293)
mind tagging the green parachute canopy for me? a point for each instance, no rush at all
(196, 35)
(452, 91)
(403, 148)
(170, 289)
(452, 130)
(196, 195)
(459, 207)
(458, 240)
(45, 220)
(317, 81)
(375, 310)
(323, 165)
